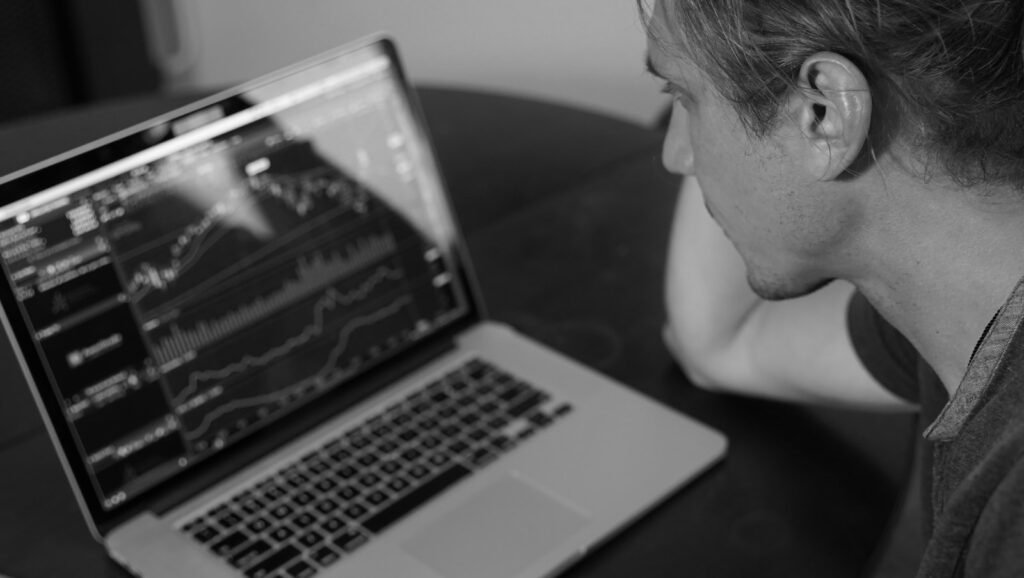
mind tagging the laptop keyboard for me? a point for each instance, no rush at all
(332, 500)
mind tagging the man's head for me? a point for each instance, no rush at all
(782, 107)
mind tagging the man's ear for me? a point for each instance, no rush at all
(833, 111)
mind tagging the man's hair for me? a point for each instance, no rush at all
(945, 75)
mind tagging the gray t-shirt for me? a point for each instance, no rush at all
(973, 444)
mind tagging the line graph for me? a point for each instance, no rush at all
(326, 368)
(164, 260)
(310, 274)
(330, 300)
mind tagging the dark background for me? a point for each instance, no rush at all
(62, 53)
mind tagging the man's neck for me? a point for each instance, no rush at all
(941, 272)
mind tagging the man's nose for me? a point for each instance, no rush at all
(676, 152)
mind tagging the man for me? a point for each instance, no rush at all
(851, 229)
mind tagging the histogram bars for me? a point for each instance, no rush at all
(311, 275)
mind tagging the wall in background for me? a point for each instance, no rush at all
(584, 52)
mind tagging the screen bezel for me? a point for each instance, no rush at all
(42, 176)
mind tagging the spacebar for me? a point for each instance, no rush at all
(415, 499)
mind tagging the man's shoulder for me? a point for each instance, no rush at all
(995, 548)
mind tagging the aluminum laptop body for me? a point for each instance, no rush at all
(259, 298)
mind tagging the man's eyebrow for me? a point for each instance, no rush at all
(651, 69)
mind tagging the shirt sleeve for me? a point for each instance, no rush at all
(885, 352)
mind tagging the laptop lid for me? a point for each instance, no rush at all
(176, 288)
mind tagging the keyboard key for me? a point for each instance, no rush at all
(332, 524)
(333, 445)
(458, 384)
(274, 492)
(415, 499)
(439, 459)
(252, 505)
(204, 533)
(228, 543)
(318, 466)
(501, 443)
(281, 534)
(526, 433)
(326, 506)
(377, 498)
(297, 480)
(249, 553)
(411, 454)
(368, 460)
(419, 472)
(478, 435)
(481, 457)
(380, 430)
(451, 430)
(300, 569)
(348, 492)
(398, 484)
(355, 511)
(229, 520)
(349, 539)
(511, 391)
(311, 538)
(304, 520)
(539, 419)
(282, 511)
(528, 403)
(359, 442)
(339, 453)
(481, 372)
(440, 396)
(273, 562)
(369, 480)
(325, 555)
(325, 485)
(258, 525)
(194, 525)
(346, 471)
(303, 498)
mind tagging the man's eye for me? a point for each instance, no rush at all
(673, 91)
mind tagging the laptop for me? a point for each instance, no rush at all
(251, 328)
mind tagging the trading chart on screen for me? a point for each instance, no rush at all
(190, 299)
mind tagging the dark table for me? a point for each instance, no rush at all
(567, 215)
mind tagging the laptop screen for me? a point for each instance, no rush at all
(257, 252)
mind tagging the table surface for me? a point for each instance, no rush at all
(567, 215)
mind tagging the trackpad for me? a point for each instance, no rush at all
(497, 533)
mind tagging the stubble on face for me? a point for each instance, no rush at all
(742, 175)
